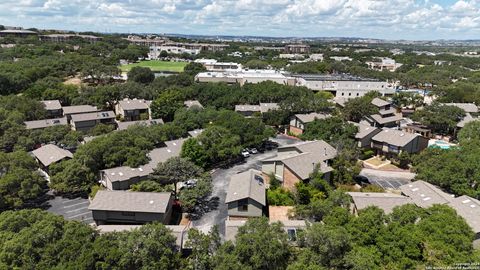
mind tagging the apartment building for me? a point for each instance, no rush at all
(133, 109)
(86, 121)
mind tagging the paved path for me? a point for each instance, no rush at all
(387, 179)
(221, 180)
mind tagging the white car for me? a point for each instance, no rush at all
(245, 153)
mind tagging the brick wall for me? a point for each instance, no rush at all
(295, 130)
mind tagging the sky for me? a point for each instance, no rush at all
(384, 19)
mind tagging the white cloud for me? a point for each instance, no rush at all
(369, 18)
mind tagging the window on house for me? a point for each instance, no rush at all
(292, 234)
(243, 205)
(128, 214)
(349, 94)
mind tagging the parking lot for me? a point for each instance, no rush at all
(71, 209)
(387, 179)
(221, 180)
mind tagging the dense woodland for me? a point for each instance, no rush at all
(407, 238)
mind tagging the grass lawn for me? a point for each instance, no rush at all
(156, 65)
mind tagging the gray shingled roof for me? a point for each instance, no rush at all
(45, 123)
(310, 117)
(384, 120)
(246, 185)
(380, 102)
(134, 104)
(364, 130)
(468, 208)
(51, 153)
(128, 201)
(231, 226)
(79, 109)
(265, 107)
(194, 133)
(51, 105)
(308, 155)
(384, 201)
(467, 119)
(394, 137)
(125, 125)
(247, 108)
(424, 194)
(191, 103)
(93, 116)
(467, 107)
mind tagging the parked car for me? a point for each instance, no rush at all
(245, 153)
(189, 184)
(253, 150)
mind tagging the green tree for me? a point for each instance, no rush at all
(166, 104)
(440, 118)
(357, 108)
(204, 247)
(175, 170)
(141, 75)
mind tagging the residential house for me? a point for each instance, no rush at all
(295, 163)
(53, 107)
(246, 195)
(424, 194)
(384, 201)
(86, 121)
(125, 125)
(247, 109)
(68, 111)
(416, 128)
(49, 154)
(265, 107)
(121, 178)
(467, 119)
(365, 134)
(193, 104)
(391, 142)
(124, 207)
(387, 115)
(299, 121)
(133, 109)
(291, 228)
(467, 107)
(469, 209)
(38, 124)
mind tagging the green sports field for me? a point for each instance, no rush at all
(156, 65)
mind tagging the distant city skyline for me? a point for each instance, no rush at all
(381, 19)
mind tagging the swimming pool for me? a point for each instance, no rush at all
(439, 144)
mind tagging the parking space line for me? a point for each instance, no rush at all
(81, 214)
(76, 210)
(72, 205)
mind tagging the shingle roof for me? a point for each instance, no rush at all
(467, 107)
(467, 119)
(310, 117)
(51, 105)
(384, 201)
(125, 125)
(134, 104)
(394, 137)
(231, 226)
(265, 107)
(247, 108)
(194, 133)
(468, 208)
(364, 130)
(46, 123)
(51, 153)
(78, 109)
(128, 201)
(384, 120)
(93, 116)
(380, 102)
(249, 184)
(191, 103)
(308, 155)
(424, 194)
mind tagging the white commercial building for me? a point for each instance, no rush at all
(156, 50)
(245, 76)
(345, 86)
(214, 65)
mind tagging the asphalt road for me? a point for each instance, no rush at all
(71, 209)
(387, 179)
(221, 180)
